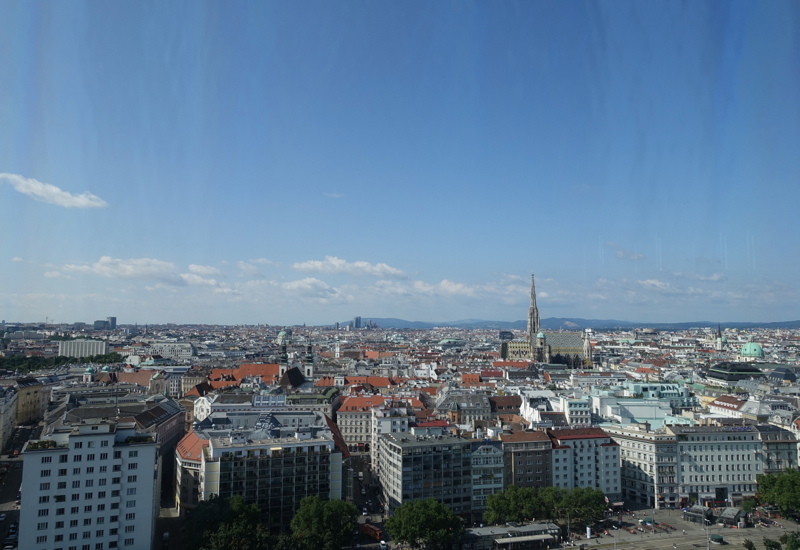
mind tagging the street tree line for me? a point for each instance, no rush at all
(579, 505)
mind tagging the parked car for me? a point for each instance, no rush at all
(2, 517)
(364, 512)
(383, 545)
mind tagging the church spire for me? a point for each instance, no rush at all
(533, 316)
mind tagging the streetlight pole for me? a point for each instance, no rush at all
(708, 539)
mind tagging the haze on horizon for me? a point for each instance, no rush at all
(281, 163)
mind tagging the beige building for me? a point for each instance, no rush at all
(29, 401)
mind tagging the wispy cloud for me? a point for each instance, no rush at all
(332, 264)
(623, 253)
(51, 194)
(262, 261)
(135, 268)
(206, 270)
(334, 195)
(17, 259)
(55, 275)
(249, 270)
(697, 277)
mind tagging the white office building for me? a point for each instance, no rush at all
(82, 348)
(90, 486)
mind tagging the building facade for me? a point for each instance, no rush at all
(527, 459)
(82, 348)
(588, 458)
(29, 401)
(94, 484)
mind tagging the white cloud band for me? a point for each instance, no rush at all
(51, 194)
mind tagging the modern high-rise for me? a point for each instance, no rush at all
(356, 322)
(112, 323)
(418, 467)
(92, 485)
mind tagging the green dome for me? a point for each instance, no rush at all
(751, 349)
(540, 335)
(88, 370)
(106, 369)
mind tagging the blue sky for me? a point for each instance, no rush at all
(272, 162)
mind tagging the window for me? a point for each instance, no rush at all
(74, 510)
(102, 481)
(130, 504)
(104, 443)
(73, 522)
(59, 525)
(131, 491)
(116, 468)
(62, 472)
(76, 471)
(87, 521)
(117, 454)
(115, 480)
(128, 528)
(87, 534)
(90, 470)
(103, 469)
(78, 445)
(87, 509)
(77, 458)
(131, 479)
(59, 538)
(114, 505)
(101, 520)
(88, 496)
(101, 507)
(47, 459)
(133, 454)
(103, 456)
(113, 519)
(41, 539)
(60, 511)
(115, 493)
(90, 457)
(99, 533)
(44, 499)
(41, 526)
(73, 536)
(44, 512)
(89, 482)
(76, 496)
(45, 473)
(76, 484)
(130, 516)
(62, 484)
(63, 458)
(128, 542)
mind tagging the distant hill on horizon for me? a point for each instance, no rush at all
(559, 323)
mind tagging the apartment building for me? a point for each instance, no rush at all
(274, 472)
(29, 401)
(354, 418)
(779, 448)
(527, 459)
(426, 466)
(177, 351)
(577, 411)
(649, 465)
(586, 457)
(389, 417)
(91, 485)
(189, 463)
(487, 472)
(8, 414)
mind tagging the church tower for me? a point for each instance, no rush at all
(533, 317)
(284, 361)
(309, 366)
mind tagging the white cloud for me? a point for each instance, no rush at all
(334, 195)
(206, 270)
(51, 194)
(16, 259)
(262, 261)
(623, 253)
(135, 268)
(197, 280)
(249, 269)
(332, 264)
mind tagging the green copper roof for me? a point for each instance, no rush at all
(751, 349)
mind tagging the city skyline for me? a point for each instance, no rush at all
(269, 163)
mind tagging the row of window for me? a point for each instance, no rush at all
(90, 470)
(76, 485)
(87, 534)
(97, 546)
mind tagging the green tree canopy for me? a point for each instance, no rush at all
(427, 523)
(781, 489)
(225, 524)
(324, 525)
(552, 503)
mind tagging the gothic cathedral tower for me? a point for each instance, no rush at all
(533, 317)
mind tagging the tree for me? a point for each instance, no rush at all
(748, 544)
(747, 505)
(326, 525)
(770, 544)
(225, 524)
(427, 523)
(781, 489)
